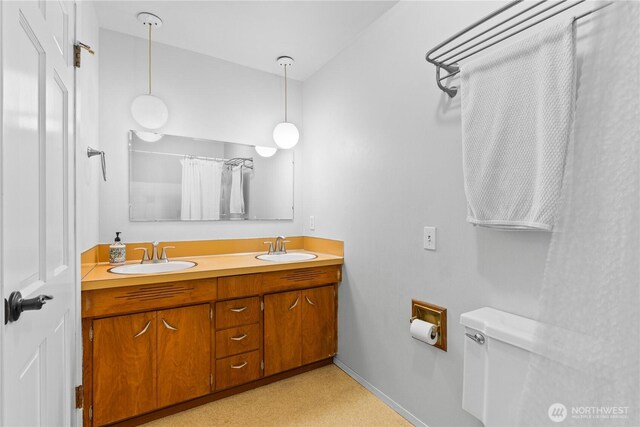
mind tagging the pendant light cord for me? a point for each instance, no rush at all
(149, 59)
(285, 93)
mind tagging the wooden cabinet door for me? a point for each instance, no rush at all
(184, 353)
(319, 324)
(282, 332)
(124, 367)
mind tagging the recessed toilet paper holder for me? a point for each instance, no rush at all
(433, 314)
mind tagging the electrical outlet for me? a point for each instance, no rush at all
(430, 238)
(312, 223)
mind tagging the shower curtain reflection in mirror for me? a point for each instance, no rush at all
(201, 189)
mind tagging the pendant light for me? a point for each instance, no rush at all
(149, 111)
(285, 134)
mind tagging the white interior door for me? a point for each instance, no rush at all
(37, 232)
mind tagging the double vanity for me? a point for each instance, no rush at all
(230, 319)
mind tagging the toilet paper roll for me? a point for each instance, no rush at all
(424, 331)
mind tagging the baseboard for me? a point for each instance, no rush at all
(386, 399)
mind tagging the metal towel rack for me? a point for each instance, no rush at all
(447, 57)
(240, 161)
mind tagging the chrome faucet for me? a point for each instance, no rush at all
(154, 255)
(279, 247)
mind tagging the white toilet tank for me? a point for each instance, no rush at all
(495, 370)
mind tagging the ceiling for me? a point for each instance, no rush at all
(251, 33)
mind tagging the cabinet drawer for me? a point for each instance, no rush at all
(236, 370)
(239, 286)
(300, 278)
(109, 301)
(237, 312)
(237, 340)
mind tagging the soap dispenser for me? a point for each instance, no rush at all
(117, 251)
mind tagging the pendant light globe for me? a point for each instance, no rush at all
(149, 111)
(286, 135)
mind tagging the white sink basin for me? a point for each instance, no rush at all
(292, 256)
(161, 267)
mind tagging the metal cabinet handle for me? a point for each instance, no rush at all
(239, 366)
(294, 304)
(479, 338)
(240, 338)
(309, 301)
(238, 310)
(168, 326)
(143, 330)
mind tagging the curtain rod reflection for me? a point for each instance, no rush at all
(236, 161)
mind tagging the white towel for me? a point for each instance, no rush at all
(236, 203)
(517, 110)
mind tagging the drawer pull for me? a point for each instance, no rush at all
(309, 301)
(239, 366)
(294, 304)
(240, 338)
(168, 326)
(238, 310)
(143, 330)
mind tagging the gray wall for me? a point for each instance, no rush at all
(382, 160)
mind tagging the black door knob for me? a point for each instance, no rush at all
(16, 305)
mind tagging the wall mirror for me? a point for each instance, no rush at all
(177, 178)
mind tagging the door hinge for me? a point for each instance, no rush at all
(91, 333)
(77, 52)
(210, 313)
(79, 397)
(211, 379)
(261, 305)
(91, 412)
(262, 365)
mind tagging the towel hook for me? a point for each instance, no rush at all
(93, 152)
